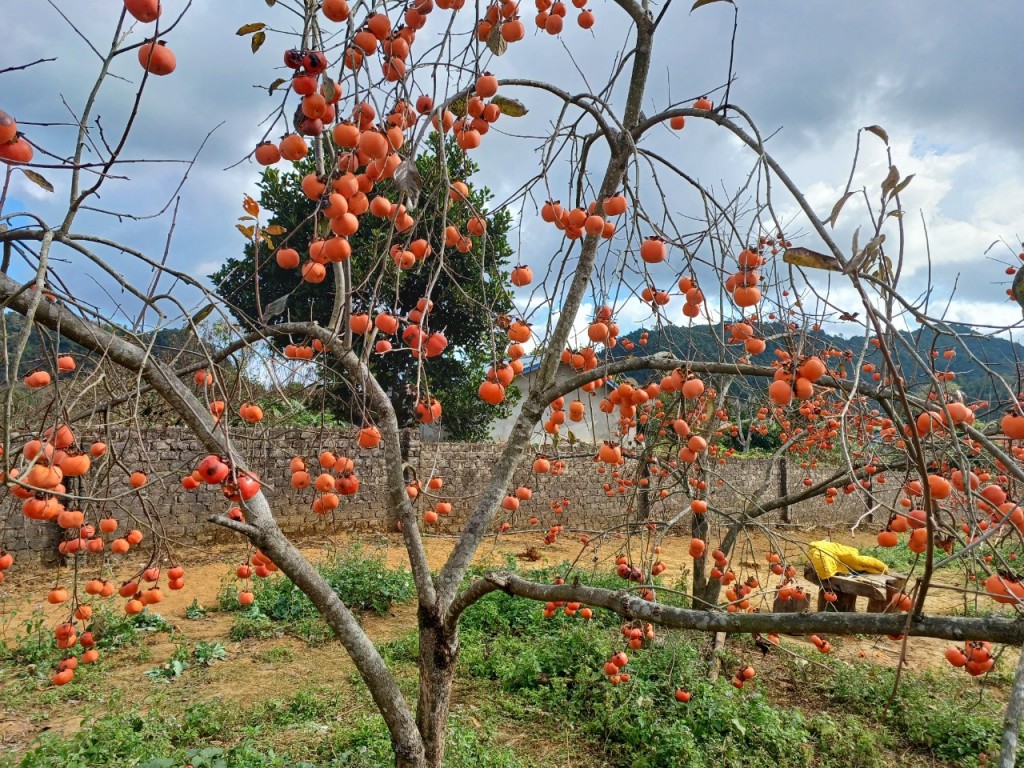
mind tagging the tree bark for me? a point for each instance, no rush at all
(439, 651)
(628, 605)
(1011, 724)
(713, 587)
(700, 528)
(784, 486)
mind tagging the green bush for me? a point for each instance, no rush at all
(34, 645)
(556, 666)
(363, 581)
(927, 710)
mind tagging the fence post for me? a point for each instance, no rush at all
(784, 487)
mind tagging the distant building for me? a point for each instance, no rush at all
(595, 427)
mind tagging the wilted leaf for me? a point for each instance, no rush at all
(879, 131)
(258, 40)
(275, 229)
(329, 88)
(890, 180)
(247, 231)
(700, 3)
(407, 180)
(276, 307)
(266, 239)
(874, 244)
(37, 179)
(834, 216)
(804, 257)
(271, 3)
(895, 214)
(495, 42)
(201, 315)
(510, 107)
(248, 29)
(251, 206)
(902, 185)
(275, 85)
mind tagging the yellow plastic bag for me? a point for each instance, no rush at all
(830, 558)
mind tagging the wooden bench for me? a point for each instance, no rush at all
(879, 589)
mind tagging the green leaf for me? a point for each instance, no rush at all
(510, 107)
(739, 726)
(248, 29)
(258, 40)
(37, 179)
(458, 107)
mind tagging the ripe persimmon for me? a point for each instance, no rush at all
(156, 58)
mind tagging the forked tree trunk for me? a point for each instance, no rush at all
(439, 651)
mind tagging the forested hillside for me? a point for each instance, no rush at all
(1001, 356)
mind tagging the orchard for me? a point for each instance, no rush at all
(385, 280)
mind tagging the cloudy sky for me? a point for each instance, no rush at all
(942, 78)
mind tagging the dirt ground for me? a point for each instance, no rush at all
(248, 673)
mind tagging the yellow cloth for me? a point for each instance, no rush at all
(829, 558)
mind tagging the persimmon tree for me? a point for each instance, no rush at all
(363, 91)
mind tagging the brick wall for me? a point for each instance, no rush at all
(170, 453)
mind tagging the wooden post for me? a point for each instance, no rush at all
(784, 487)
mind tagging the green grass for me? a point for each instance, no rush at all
(302, 731)
(33, 649)
(938, 712)
(362, 580)
(553, 667)
(524, 674)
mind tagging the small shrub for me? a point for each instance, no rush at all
(206, 653)
(364, 582)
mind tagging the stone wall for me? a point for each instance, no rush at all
(182, 515)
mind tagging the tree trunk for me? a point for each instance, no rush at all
(439, 651)
(784, 486)
(1014, 713)
(699, 530)
(713, 587)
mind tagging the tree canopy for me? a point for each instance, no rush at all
(466, 286)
